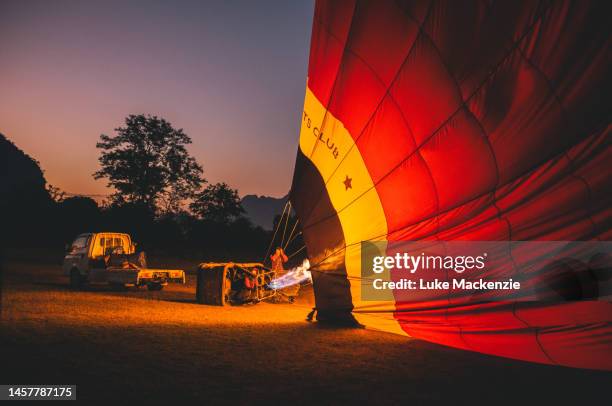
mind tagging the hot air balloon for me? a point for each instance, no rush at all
(447, 121)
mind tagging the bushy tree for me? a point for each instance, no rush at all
(147, 163)
(218, 203)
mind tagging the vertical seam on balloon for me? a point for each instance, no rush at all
(572, 165)
(499, 216)
(419, 154)
(429, 172)
(488, 6)
(464, 103)
(470, 113)
(493, 156)
(515, 303)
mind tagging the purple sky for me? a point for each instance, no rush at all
(232, 74)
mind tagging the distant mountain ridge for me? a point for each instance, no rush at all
(262, 209)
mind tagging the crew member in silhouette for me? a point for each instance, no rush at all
(278, 260)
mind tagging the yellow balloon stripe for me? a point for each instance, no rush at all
(331, 149)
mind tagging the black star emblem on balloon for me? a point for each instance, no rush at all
(348, 183)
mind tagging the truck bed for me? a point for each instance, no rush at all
(139, 276)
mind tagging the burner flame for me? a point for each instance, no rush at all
(293, 276)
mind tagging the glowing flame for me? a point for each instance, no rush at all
(293, 276)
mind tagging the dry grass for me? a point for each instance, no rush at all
(161, 346)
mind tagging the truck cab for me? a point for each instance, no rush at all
(89, 249)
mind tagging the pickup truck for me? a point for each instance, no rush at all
(111, 258)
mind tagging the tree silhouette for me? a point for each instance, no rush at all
(147, 164)
(57, 194)
(78, 214)
(218, 202)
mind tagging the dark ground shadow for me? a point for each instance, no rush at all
(223, 365)
(236, 356)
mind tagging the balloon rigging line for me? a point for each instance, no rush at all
(290, 238)
(296, 252)
(286, 222)
(275, 232)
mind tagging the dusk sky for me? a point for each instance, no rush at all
(232, 74)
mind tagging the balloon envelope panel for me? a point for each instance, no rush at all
(458, 121)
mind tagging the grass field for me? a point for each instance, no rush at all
(160, 347)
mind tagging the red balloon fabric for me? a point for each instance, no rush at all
(447, 120)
